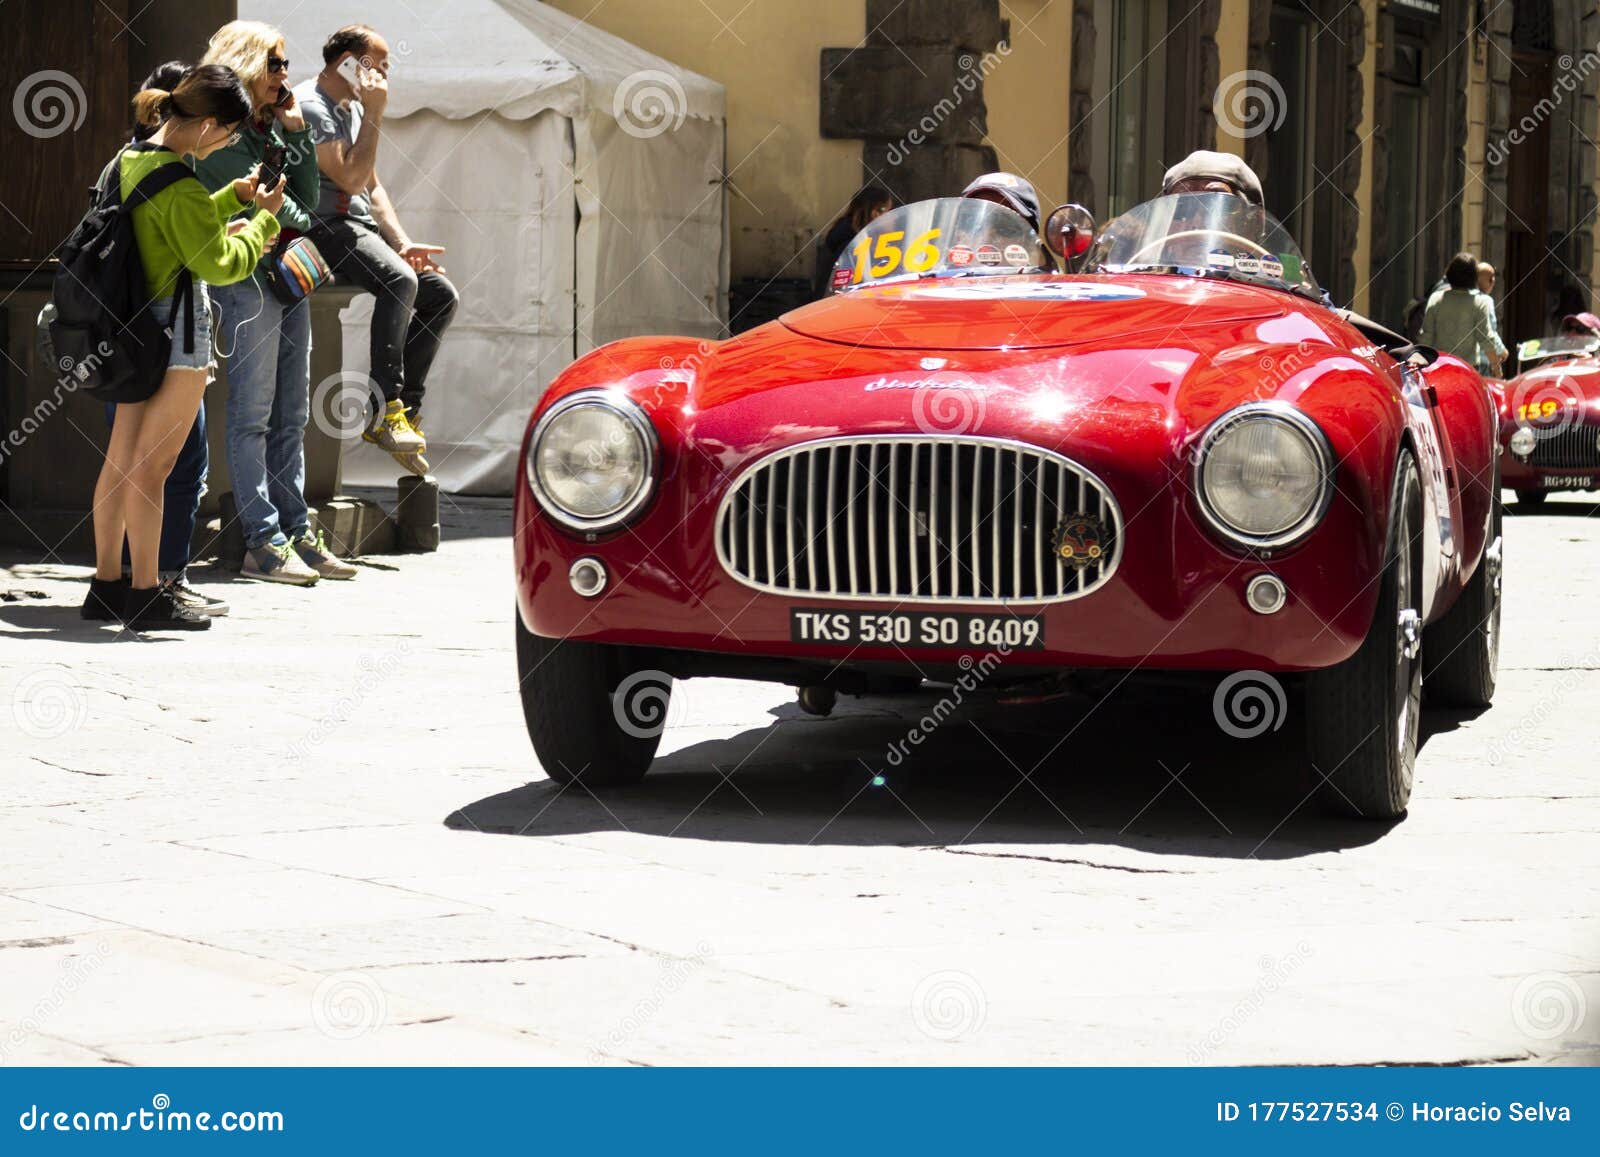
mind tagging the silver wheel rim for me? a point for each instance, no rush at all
(1408, 644)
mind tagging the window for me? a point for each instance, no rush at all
(1130, 86)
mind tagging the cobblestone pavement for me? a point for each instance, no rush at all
(317, 834)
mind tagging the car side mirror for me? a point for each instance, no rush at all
(1068, 232)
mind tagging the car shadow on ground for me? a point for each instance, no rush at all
(1568, 509)
(1147, 769)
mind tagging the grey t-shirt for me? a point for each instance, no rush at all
(330, 120)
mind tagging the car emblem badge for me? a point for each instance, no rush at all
(1079, 540)
(933, 363)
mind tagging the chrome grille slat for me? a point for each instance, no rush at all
(984, 508)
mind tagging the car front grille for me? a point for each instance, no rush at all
(1574, 448)
(913, 519)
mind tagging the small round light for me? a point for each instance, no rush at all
(1264, 474)
(1266, 594)
(588, 577)
(591, 460)
(1523, 441)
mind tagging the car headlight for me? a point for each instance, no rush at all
(1264, 475)
(591, 460)
(1523, 441)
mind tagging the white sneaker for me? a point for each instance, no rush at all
(278, 563)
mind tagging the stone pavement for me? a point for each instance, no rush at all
(316, 834)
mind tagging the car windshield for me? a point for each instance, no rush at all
(1567, 345)
(946, 237)
(1204, 234)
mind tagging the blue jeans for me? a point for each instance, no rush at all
(268, 349)
(180, 501)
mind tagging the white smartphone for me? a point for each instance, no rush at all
(349, 68)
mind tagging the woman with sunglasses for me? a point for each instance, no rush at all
(267, 342)
(180, 228)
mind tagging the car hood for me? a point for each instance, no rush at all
(1028, 312)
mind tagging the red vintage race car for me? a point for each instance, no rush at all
(1181, 460)
(1550, 418)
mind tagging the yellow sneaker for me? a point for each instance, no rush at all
(393, 432)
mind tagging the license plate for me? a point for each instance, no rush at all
(960, 630)
(1563, 482)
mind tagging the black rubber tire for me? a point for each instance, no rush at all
(1532, 497)
(575, 716)
(1361, 736)
(1463, 648)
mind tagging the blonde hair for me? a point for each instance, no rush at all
(243, 45)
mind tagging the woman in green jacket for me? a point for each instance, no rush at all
(267, 342)
(179, 228)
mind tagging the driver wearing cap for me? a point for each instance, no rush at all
(1581, 325)
(1204, 171)
(1009, 190)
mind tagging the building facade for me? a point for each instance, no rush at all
(1389, 133)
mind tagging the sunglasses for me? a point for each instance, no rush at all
(277, 64)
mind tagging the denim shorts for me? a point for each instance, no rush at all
(179, 359)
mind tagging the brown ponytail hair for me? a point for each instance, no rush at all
(209, 90)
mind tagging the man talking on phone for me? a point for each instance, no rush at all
(360, 236)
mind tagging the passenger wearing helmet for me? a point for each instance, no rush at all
(1581, 325)
(1009, 190)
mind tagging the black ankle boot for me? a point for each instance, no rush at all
(106, 602)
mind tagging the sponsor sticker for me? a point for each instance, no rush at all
(1292, 267)
(1220, 259)
(1026, 289)
(1247, 265)
(841, 278)
(959, 255)
(1272, 267)
(988, 255)
(1016, 255)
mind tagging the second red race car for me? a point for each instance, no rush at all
(1550, 418)
(1179, 459)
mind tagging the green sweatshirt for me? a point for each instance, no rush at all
(300, 165)
(182, 227)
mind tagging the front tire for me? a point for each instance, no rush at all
(594, 718)
(1363, 715)
(1464, 646)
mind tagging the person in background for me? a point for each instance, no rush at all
(1486, 287)
(186, 484)
(1460, 320)
(267, 343)
(180, 228)
(355, 225)
(869, 203)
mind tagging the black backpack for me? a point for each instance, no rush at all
(105, 337)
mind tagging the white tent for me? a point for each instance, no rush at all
(576, 181)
